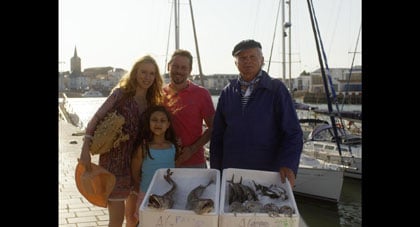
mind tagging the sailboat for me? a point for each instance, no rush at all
(320, 140)
(321, 144)
(335, 143)
(315, 178)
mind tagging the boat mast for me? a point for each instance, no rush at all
(288, 25)
(196, 46)
(274, 37)
(283, 42)
(318, 43)
(176, 10)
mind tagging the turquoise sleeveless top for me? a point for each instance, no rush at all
(162, 158)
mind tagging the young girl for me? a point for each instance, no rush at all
(158, 150)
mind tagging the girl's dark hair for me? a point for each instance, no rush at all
(146, 135)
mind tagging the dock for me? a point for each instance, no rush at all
(74, 210)
(354, 98)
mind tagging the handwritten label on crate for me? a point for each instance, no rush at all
(258, 222)
(174, 220)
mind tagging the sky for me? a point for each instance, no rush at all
(118, 32)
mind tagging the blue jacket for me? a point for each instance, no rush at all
(265, 135)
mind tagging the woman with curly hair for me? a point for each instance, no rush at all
(136, 91)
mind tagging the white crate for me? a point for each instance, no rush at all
(186, 179)
(228, 219)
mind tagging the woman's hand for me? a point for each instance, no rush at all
(85, 158)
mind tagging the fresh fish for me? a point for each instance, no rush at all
(274, 191)
(197, 204)
(236, 194)
(253, 206)
(250, 194)
(203, 206)
(240, 192)
(164, 201)
(280, 191)
(237, 207)
(287, 210)
(272, 209)
(275, 211)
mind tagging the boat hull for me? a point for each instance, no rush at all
(353, 164)
(323, 184)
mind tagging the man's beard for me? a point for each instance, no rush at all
(178, 80)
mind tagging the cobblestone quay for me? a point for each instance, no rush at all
(74, 210)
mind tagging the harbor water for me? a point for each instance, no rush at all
(346, 213)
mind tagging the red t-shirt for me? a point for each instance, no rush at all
(189, 107)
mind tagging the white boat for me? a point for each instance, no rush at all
(321, 144)
(92, 93)
(318, 179)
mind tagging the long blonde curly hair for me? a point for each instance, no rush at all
(128, 82)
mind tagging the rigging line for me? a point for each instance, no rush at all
(352, 64)
(169, 37)
(256, 15)
(334, 96)
(324, 79)
(274, 36)
(334, 26)
(325, 59)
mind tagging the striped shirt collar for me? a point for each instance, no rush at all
(248, 87)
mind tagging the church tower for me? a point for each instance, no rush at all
(75, 64)
(76, 79)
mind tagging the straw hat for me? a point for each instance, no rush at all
(96, 185)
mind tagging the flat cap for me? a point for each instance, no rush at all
(245, 44)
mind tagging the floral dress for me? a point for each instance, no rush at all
(118, 160)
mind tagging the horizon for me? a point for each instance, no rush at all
(110, 33)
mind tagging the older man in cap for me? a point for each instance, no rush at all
(256, 125)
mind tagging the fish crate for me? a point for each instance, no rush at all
(186, 180)
(228, 218)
